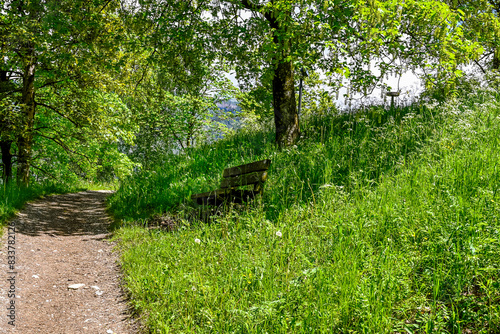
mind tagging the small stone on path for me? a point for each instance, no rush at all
(75, 286)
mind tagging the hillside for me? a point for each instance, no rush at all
(382, 222)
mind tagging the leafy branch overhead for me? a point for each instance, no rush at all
(62, 59)
(155, 71)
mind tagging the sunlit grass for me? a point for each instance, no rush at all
(112, 186)
(383, 223)
(334, 148)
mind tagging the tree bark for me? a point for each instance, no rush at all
(6, 160)
(6, 144)
(496, 62)
(286, 117)
(495, 65)
(25, 138)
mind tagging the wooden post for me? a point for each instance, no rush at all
(392, 95)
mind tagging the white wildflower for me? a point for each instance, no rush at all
(197, 240)
(279, 234)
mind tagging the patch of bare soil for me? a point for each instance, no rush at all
(58, 242)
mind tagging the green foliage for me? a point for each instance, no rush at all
(154, 68)
(10, 123)
(182, 46)
(355, 43)
(173, 122)
(256, 104)
(60, 92)
(376, 141)
(174, 86)
(480, 22)
(82, 146)
(383, 221)
(316, 98)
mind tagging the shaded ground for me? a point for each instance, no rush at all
(59, 241)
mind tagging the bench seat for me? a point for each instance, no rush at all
(254, 173)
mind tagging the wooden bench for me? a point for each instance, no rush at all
(254, 173)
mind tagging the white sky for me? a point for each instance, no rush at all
(409, 85)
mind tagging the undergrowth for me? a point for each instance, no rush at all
(384, 222)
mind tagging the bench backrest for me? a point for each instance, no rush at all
(252, 173)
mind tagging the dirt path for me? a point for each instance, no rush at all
(60, 241)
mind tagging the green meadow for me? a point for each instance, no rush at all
(382, 221)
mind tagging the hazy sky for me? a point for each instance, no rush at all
(409, 85)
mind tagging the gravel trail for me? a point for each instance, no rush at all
(60, 241)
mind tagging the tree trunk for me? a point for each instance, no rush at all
(496, 61)
(286, 117)
(6, 160)
(496, 55)
(6, 144)
(25, 138)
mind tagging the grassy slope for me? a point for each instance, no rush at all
(336, 149)
(386, 226)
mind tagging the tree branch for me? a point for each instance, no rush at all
(258, 8)
(105, 5)
(59, 135)
(4, 94)
(480, 67)
(251, 6)
(175, 136)
(145, 70)
(44, 171)
(14, 72)
(58, 112)
(40, 128)
(55, 82)
(65, 147)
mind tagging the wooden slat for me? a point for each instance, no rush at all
(243, 180)
(210, 193)
(256, 166)
(234, 196)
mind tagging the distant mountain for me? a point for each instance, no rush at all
(229, 105)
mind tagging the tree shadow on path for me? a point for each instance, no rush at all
(82, 213)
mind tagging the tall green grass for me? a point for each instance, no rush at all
(334, 148)
(379, 223)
